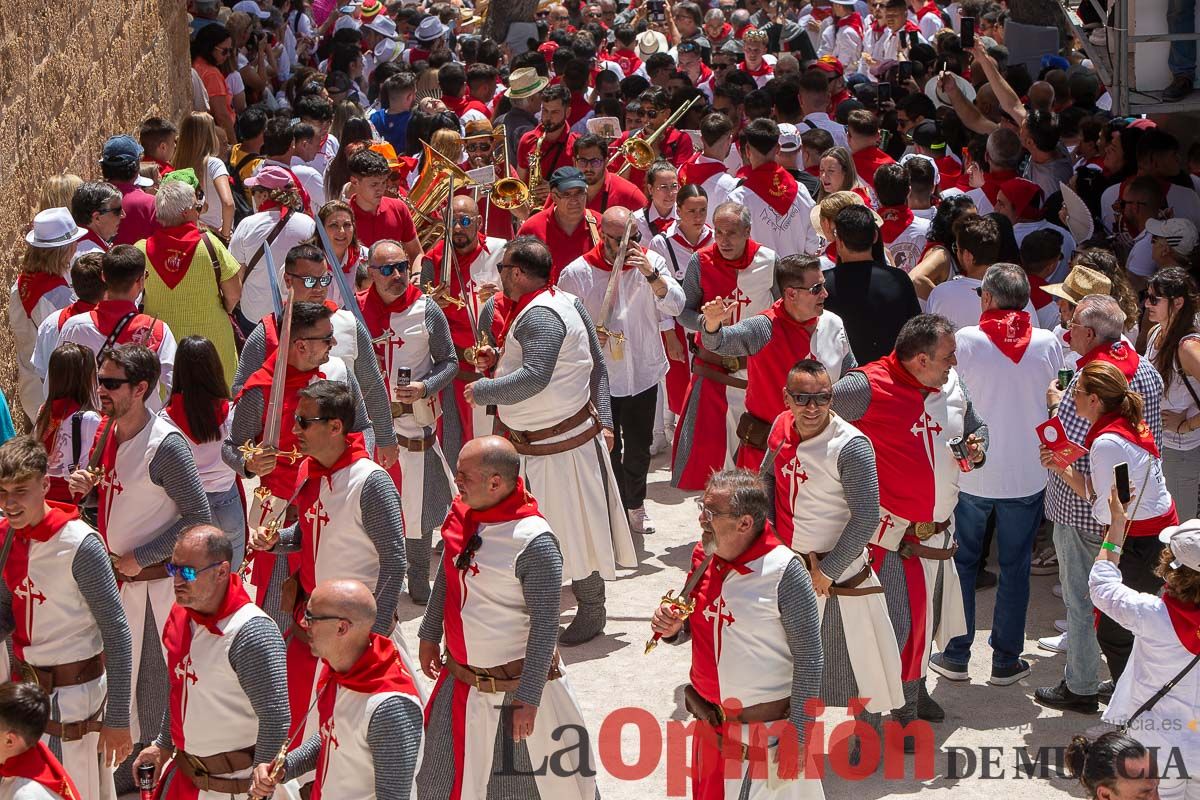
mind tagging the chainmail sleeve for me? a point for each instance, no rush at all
(972, 422)
(431, 623)
(303, 759)
(174, 469)
(246, 426)
(743, 339)
(539, 569)
(851, 396)
(541, 335)
(370, 427)
(766, 474)
(258, 656)
(92, 571)
(7, 623)
(374, 391)
(802, 626)
(860, 486)
(441, 350)
(487, 313)
(394, 736)
(251, 359)
(601, 397)
(380, 504)
(690, 317)
(849, 362)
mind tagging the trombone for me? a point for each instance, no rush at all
(639, 152)
(505, 192)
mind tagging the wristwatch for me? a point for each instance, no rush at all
(653, 276)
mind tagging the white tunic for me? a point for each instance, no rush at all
(786, 234)
(345, 333)
(58, 618)
(338, 511)
(349, 768)
(136, 509)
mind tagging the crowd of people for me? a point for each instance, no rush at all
(400, 313)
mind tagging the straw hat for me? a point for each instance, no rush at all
(525, 82)
(1079, 284)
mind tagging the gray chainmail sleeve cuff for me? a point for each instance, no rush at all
(802, 626)
(246, 426)
(380, 506)
(174, 469)
(303, 759)
(690, 317)
(972, 422)
(251, 359)
(743, 339)
(601, 397)
(7, 623)
(92, 571)
(851, 396)
(441, 349)
(394, 736)
(431, 623)
(428, 270)
(374, 390)
(860, 485)
(258, 656)
(164, 739)
(849, 362)
(289, 539)
(487, 313)
(541, 335)
(539, 569)
(766, 474)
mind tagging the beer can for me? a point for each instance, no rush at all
(145, 781)
(1064, 377)
(961, 452)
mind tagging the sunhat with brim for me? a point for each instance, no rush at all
(525, 82)
(1184, 541)
(54, 227)
(934, 92)
(1080, 282)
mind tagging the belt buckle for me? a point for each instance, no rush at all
(29, 673)
(479, 679)
(924, 530)
(197, 766)
(730, 364)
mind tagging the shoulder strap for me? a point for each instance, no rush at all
(243, 161)
(216, 265)
(812, 126)
(1184, 376)
(76, 438)
(671, 252)
(1161, 693)
(593, 226)
(271, 236)
(112, 337)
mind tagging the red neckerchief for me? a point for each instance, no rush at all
(992, 181)
(235, 598)
(1114, 423)
(464, 262)
(911, 26)
(706, 236)
(578, 109)
(1038, 297)
(710, 257)
(1009, 330)
(835, 101)
(169, 251)
(696, 171)
(596, 258)
(78, 307)
(741, 32)
(896, 220)
(867, 160)
(1119, 354)
(268, 204)
(774, 184)
(1185, 619)
(628, 60)
(876, 27)
(461, 105)
(900, 374)
(108, 313)
(763, 69)
(949, 171)
(33, 286)
(378, 314)
(705, 74)
(60, 410)
(821, 14)
(515, 311)
(16, 569)
(378, 670)
(177, 411)
(312, 472)
(930, 7)
(852, 21)
(353, 256)
(94, 238)
(261, 379)
(38, 764)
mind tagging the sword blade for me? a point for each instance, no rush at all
(339, 277)
(273, 279)
(610, 291)
(274, 416)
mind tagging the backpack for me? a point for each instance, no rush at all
(242, 207)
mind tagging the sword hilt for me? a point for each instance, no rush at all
(442, 292)
(620, 337)
(249, 450)
(683, 606)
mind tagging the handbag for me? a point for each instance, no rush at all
(239, 337)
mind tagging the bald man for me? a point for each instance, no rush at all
(473, 277)
(644, 302)
(370, 712)
(501, 688)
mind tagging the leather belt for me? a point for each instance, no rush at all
(909, 548)
(202, 772)
(72, 674)
(467, 375)
(493, 680)
(400, 409)
(418, 444)
(152, 572)
(849, 587)
(716, 716)
(925, 530)
(730, 364)
(525, 441)
(74, 731)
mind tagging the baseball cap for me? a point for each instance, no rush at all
(830, 65)
(928, 134)
(936, 173)
(567, 178)
(1051, 61)
(120, 151)
(1184, 541)
(1180, 233)
(270, 178)
(252, 8)
(789, 138)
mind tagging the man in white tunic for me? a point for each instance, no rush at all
(779, 206)
(30, 771)
(550, 387)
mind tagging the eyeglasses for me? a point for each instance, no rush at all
(709, 514)
(979, 291)
(1153, 299)
(667, 187)
(502, 266)
(589, 162)
(465, 221)
(463, 562)
(814, 290)
(310, 281)
(112, 384)
(188, 574)
(387, 270)
(118, 210)
(810, 398)
(310, 618)
(304, 422)
(222, 51)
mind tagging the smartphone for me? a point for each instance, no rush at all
(904, 71)
(657, 9)
(403, 376)
(1121, 479)
(885, 93)
(966, 33)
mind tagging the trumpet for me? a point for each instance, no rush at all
(639, 152)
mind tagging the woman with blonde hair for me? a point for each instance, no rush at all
(838, 174)
(58, 190)
(338, 219)
(198, 148)
(821, 217)
(67, 422)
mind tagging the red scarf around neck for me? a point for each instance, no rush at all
(774, 184)
(169, 251)
(1009, 330)
(895, 220)
(177, 411)
(16, 569)
(596, 259)
(1185, 619)
(1037, 295)
(94, 238)
(78, 307)
(929, 8)
(33, 286)
(696, 171)
(852, 21)
(295, 381)
(711, 258)
(901, 375)
(1119, 354)
(268, 204)
(60, 411)
(1114, 423)
(515, 311)
(378, 314)
(38, 764)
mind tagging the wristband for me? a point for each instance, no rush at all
(1107, 545)
(653, 276)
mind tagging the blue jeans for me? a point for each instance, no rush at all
(229, 514)
(1181, 18)
(1075, 558)
(1017, 521)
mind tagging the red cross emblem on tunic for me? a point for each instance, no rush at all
(328, 738)
(184, 674)
(317, 518)
(885, 524)
(720, 618)
(740, 301)
(28, 592)
(386, 347)
(925, 429)
(796, 475)
(109, 482)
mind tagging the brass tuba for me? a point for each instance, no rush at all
(640, 152)
(506, 192)
(428, 195)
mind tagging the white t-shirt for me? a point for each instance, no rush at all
(956, 300)
(1177, 397)
(248, 237)
(1141, 257)
(25, 789)
(214, 168)
(1145, 477)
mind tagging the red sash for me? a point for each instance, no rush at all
(38, 764)
(16, 569)
(33, 286)
(170, 250)
(1009, 330)
(308, 504)
(774, 184)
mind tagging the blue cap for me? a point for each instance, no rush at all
(121, 150)
(566, 178)
(1055, 62)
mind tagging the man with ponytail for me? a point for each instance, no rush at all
(1114, 766)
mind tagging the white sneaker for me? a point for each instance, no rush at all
(659, 444)
(640, 522)
(1055, 644)
(1060, 625)
(1056, 590)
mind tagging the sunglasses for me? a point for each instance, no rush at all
(463, 562)
(810, 398)
(464, 221)
(309, 281)
(387, 270)
(114, 210)
(310, 618)
(326, 339)
(1153, 299)
(112, 384)
(189, 574)
(481, 147)
(814, 290)
(304, 422)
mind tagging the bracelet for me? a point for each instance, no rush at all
(1107, 545)
(1052, 410)
(653, 276)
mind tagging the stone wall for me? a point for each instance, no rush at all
(71, 76)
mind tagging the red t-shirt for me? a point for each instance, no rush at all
(617, 191)
(391, 220)
(556, 154)
(564, 247)
(869, 159)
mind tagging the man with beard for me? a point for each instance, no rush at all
(567, 226)
(474, 278)
(547, 361)
(911, 404)
(480, 143)
(737, 270)
(604, 189)
(795, 327)
(554, 141)
(759, 662)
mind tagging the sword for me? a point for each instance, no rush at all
(610, 292)
(348, 300)
(278, 763)
(472, 318)
(94, 467)
(273, 279)
(682, 602)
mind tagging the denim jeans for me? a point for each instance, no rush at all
(229, 514)
(1017, 521)
(1181, 18)
(1075, 558)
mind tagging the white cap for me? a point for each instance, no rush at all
(1184, 541)
(252, 8)
(1180, 233)
(936, 174)
(789, 138)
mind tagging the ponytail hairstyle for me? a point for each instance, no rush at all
(1102, 761)
(1172, 283)
(1108, 383)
